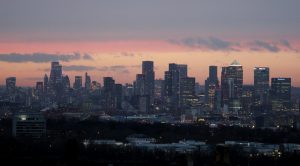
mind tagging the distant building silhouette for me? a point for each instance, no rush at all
(232, 86)
(212, 91)
(261, 85)
(148, 72)
(78, 83)
(281, 94)
(109, 94)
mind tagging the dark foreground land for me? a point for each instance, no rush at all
(63, 145)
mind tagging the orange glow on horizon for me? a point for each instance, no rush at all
(282, 64)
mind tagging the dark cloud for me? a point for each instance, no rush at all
(259, 45)
(116, 68)
(78, 68)
(87, 57)
(288, 45)
(216, 44)
(41, 57)
(275, 46)
(211, 43)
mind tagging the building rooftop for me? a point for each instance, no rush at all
(235, 63)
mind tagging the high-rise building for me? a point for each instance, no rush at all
(212, 88)
(11, 85)
(281, 94)
(39, 90)
(158, 90)
(87, 83)
(128, 91)
(96, 86)
(66, 83)
(167, 88)
(109, 95)
(78, 82)
(148, 72)
(172, 88)
(261, 85)
(119, 96)
(55, 82)
(55, 73)
(144, 104)
(46, 83)
(247, 98)
(140, 85)
(183, 71)
(187, 92)
(142, 93)
(232, 86)
(213, 74)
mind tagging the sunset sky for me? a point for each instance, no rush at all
(113, 37)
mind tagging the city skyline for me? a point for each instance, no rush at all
(112, 38)
(75, 74)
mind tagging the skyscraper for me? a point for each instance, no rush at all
(66, 83)
(183, 71)
(140, 85)
(39, 90)
(213, 74)
(187, 92)
(148, 71)
(46, 84)
(172, 88)
(261, 85)
(142, 93)
(158, 90)
(78, 83)
(212, 88)
(281, 94)
(55, 82)
(11, 85)
(87, 83)
(232, 86)
(55, 73)
(119, 95)
(109, 96)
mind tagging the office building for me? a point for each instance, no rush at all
(87, 83)
(148, 72)
(232, 86)
(280, 94)
(187, 92)
(212, 88)
(10, 85)
(39, 90)
(172, 88)
(119, 95)
(109, 94)
(78, 83)
(55, 73)
(261, 86)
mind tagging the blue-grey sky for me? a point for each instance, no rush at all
(112, 37)
(48, 20)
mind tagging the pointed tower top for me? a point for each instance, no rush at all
(235, 63)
